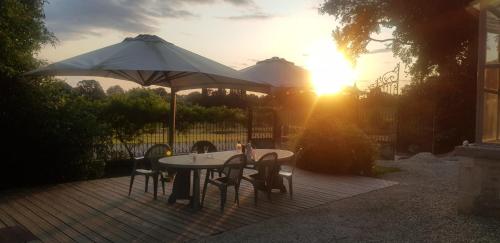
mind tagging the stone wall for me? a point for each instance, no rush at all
(479, 180)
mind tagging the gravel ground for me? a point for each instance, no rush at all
(421, 208)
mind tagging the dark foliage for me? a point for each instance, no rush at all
(336, 147)
(115, 89)
(332, 142)
(90, 89)
(437, 40)
(49, 132)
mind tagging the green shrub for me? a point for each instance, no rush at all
(53, 135)
(336, 148)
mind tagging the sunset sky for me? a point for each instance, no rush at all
(236, 33)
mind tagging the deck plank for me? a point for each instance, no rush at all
(101, 210)
(25, 219)
(92, 218)
(125, 221)
(54, 222)
(65, 216)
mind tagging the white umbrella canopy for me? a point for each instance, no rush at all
(150, 60)
(279, 73)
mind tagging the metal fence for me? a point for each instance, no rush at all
(224, 135)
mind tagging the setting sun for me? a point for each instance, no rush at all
(330, 70)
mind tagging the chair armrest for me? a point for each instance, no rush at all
(246, 178)
(139, 158)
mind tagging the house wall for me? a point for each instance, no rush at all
(479, 180)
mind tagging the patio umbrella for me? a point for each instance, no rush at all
(279, 73)
(283, 76)
(150, 60)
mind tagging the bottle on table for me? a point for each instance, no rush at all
(239, 147)
(193, 154)
(249, 151)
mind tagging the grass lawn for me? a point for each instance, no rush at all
(381, 170)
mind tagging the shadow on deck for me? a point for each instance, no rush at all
(100, 210)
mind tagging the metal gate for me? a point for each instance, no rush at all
(261, 127)
(379, 112)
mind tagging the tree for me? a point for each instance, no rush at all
(115, 89)
(429, 36)
(90, 89)
(437, 40)
(129, 113)
(22, 34)
(41, 116)
(161, 92)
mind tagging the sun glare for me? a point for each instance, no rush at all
(330, 70)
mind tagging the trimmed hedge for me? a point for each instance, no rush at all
(336, 148)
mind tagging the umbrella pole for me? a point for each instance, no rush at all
(171, 129)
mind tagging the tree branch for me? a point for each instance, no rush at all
(381, 40)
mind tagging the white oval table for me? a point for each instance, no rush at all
(207, 161)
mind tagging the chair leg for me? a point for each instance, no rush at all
(290, 186)
(147, 182)
(163, 186)
(155, 185)
(223, 198)
(204, 191)
(131, 183)
(236, 195)
(256, 194)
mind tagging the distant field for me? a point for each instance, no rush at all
(224, 139)
(192, 136)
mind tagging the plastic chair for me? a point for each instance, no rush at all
(151, 157)
(287, 170)
(199, 147)
(232, 177)
(263, 181)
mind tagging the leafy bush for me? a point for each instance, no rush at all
(129, 113)
(54, 135)
(335, 147)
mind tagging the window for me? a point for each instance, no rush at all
(491, 70)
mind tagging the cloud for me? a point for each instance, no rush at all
(234, 2)
(251, 16)
(70, 19)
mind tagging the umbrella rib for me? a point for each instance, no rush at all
(140, 75)
(157, 80)
(123, 74)
(179, 75)
(169, 79)
(210, 77)
(153, 76)
(173, 77)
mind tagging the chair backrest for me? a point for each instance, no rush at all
(296, 157)
(199, 146)
(233, 168)
(156, 152)
(267, 167)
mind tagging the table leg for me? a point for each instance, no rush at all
(195, 203)
(181, 187)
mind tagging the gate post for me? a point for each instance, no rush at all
(276, 129)
(249, 124)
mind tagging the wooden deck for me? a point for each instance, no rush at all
(100, 210)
